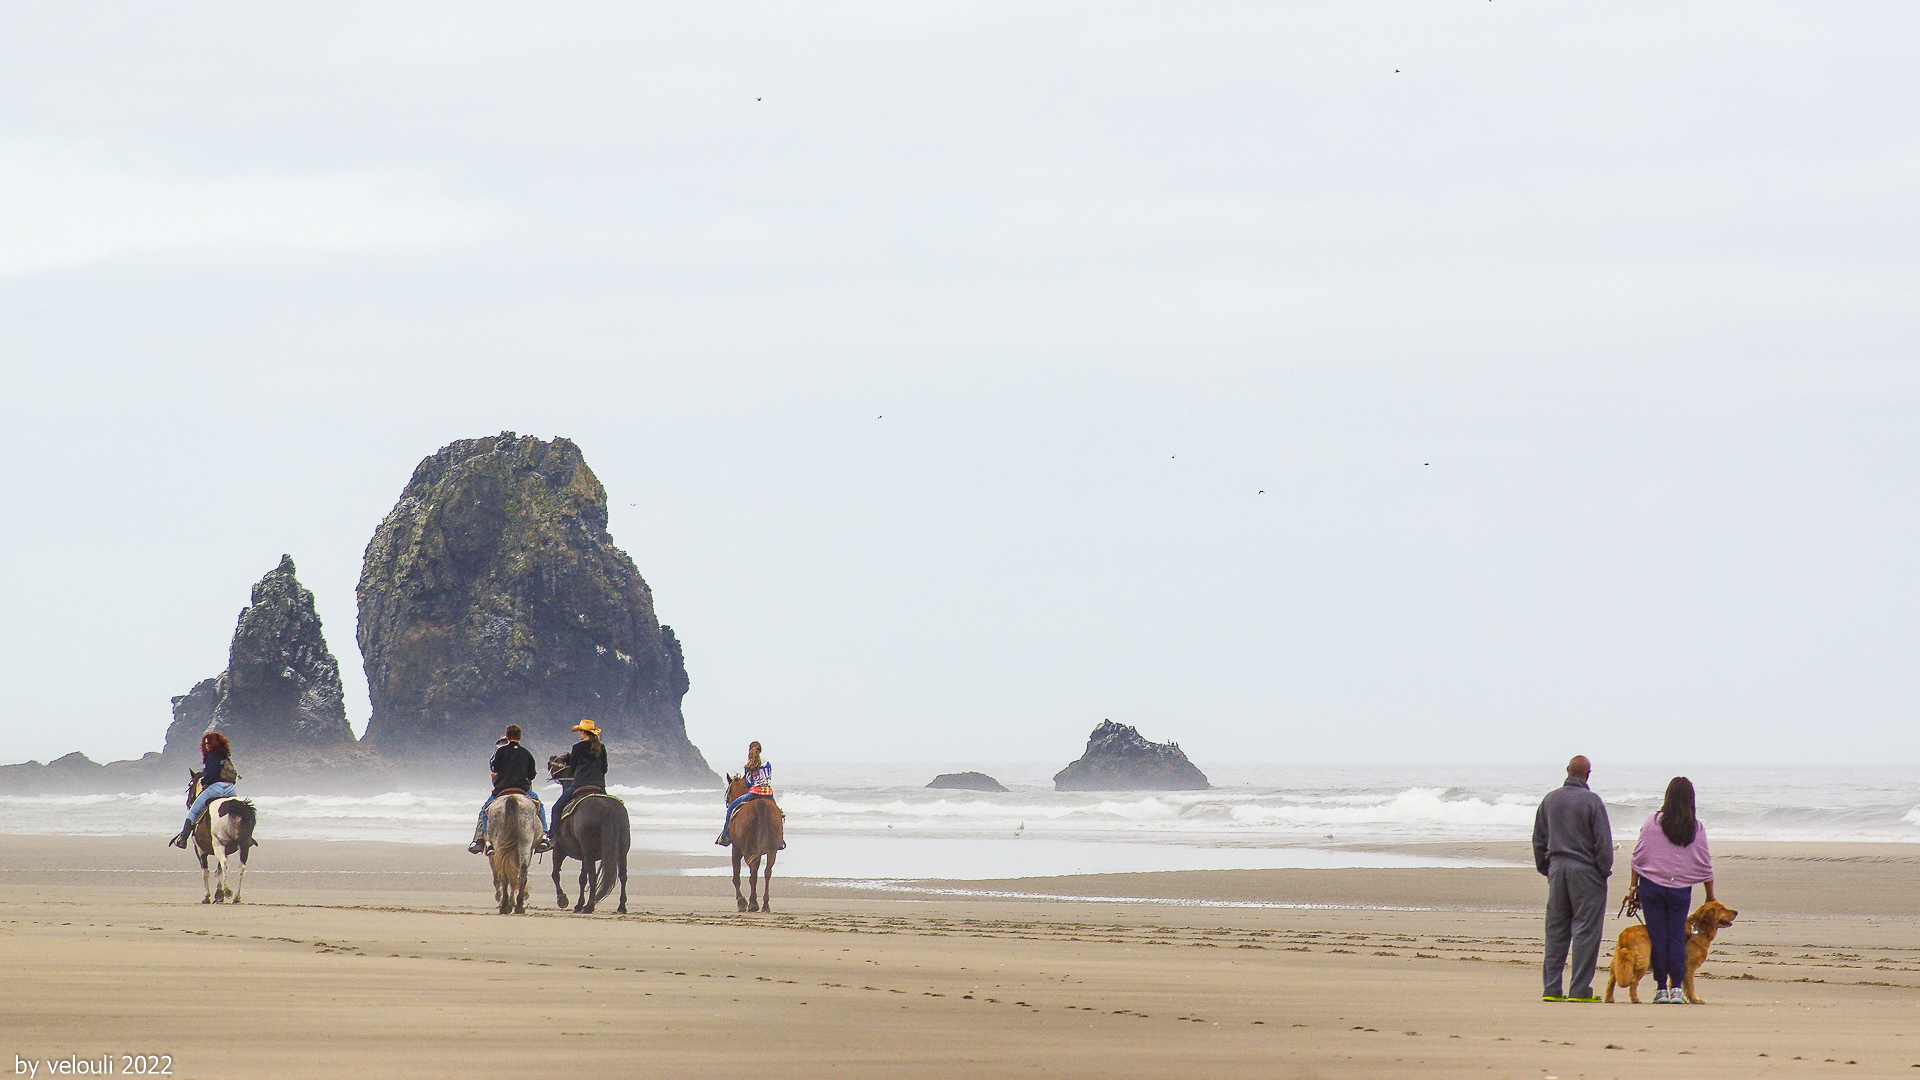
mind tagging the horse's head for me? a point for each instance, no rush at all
(193, 786)
(558, 767)
(736, 787)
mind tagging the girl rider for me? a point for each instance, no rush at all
(216, 760)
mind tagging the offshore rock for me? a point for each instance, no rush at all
(1119, 759)
(279, 701)
(967, 781)
(493, 595)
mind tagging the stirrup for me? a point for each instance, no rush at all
(545, 843)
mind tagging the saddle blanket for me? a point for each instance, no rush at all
(585, 794)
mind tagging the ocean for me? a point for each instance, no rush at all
(879, 821)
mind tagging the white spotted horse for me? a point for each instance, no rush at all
(225, 828)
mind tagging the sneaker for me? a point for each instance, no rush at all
(1660, 997)
(477, 847)
(1677, 996)
(542, 844)
(1552, 997)
(1589, 998)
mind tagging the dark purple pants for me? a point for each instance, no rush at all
(1666, 914)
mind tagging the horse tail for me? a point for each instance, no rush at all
(615, 837)
(242, 811)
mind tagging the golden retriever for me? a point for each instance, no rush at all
(1633, 954)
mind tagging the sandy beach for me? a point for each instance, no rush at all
(374, 959)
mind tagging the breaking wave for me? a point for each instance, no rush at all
(1252, 806)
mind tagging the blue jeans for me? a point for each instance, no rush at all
(217, 790)
(735, 805)
(537, 805)
(1666, 911)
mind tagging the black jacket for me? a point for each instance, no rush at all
(512, 768)
(589, 768)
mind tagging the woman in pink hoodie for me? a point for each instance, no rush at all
(1670, 859)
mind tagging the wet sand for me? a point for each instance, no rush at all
(384, 960)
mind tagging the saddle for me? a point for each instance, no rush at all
(581, 795)
(503, 792)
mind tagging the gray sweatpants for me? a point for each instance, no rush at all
(1576, 913)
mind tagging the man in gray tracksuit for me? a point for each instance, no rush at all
(1573, 849)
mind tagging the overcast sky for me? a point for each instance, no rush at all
(1454, 381)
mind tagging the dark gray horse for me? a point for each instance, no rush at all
(595, 830)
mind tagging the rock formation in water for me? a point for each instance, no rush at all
(280, 699)
(967, 781)
(492, 594)
(1119, 759)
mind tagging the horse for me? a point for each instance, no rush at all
(758, 829)
(225, 827)
(513, 824)
(597, 831)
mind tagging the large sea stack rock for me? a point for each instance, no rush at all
(1119, 759)
(492, 595)
(280, 698)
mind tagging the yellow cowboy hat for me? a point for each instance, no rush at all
(587, 727)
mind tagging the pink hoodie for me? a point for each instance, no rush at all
(1663, 862)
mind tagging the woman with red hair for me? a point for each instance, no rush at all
(216, 764)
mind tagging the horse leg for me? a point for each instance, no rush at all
(766, 887)
(584, 901)
(622, 909)
(219, 874)
(206, 880)
(753, 883)
(558, 891)
(520, 897)
(738, 898)
(241, 879)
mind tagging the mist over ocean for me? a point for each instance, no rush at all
(869, 820)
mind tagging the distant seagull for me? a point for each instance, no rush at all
(1262, 491)
(881, 417)
(757, 99)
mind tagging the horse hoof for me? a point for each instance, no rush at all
(743, 905)
(206, 899)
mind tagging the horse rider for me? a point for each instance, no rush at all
(217, 776)
(512, 769)
(759, 777)
(586, 767)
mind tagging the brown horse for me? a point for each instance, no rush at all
(758, 829)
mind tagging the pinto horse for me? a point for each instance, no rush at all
(225, 827)
(758, 829)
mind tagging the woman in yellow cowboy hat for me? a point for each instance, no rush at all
(586, 767)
